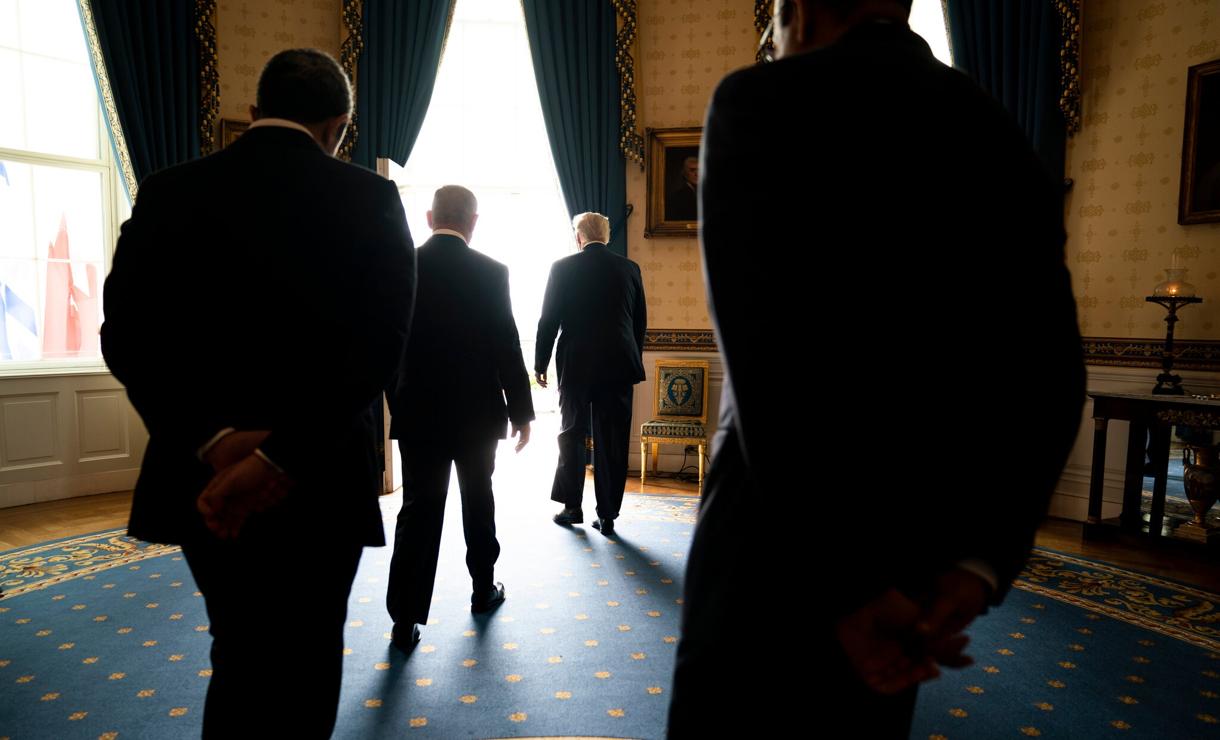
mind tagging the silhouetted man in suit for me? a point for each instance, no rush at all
(448, 407)
(884, 174)
(257, 307)
(596, 300)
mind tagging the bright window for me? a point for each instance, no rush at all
(60, 195)
(928, 20)
(484, 130)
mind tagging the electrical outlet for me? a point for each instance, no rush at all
(691, 449)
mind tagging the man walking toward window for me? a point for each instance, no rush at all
(595, 301)
(461, 382)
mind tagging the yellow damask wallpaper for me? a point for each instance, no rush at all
(1121, 215)
(248, 32)
(684, 48)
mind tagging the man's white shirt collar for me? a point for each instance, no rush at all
(451, 232)
(280, 123)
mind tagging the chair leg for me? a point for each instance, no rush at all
(656, 451)
(643, 463)
(700, 467)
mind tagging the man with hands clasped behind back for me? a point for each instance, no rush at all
(257, 306)
(901, 169)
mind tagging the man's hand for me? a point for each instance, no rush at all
(244, 488)
(541, 378)
(958, 597)
(232, 447)
(881, 643)
(523, 432)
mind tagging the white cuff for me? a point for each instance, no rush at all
(982, 569)
(203, 451)
(263, 456)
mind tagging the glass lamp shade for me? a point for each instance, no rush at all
(1174, 285)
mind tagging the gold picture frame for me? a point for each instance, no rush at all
(1199, 195)
(671, 194)
(230, 130)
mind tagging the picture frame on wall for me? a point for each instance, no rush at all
(1199, 196)
(230, 130)
(671, 170)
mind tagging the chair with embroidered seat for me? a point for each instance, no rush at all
(679, 410)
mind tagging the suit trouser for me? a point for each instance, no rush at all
(277, 637)
(609, 406)
(417, 537)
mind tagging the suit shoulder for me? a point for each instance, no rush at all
(742, 87)
(351, 175)
(565, 263)
(184, 175)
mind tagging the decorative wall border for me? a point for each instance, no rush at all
(1188, 355)
(350, 49)
(107, 95)
(1069, 63)
(630, 140)
(680, 340)
(209, 74)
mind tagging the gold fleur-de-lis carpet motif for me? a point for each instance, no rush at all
(105, 637)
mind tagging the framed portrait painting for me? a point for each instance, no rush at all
(1199, 196)
(672, 172)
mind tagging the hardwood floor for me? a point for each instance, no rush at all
(23, 526)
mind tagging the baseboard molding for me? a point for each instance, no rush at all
(55, 489)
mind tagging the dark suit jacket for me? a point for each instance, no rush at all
(904, 239)
(682, 204)
(464, 357)
(597, 299)
(268, 286)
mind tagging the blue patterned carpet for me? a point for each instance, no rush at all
(104, 637)
(1081, 649)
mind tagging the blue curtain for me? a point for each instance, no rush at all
(396, 73)
(572, 43)
(152, 60)
(1011, 49)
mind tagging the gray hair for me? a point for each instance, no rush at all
(453, 205)
(594, 226)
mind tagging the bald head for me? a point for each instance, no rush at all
(454, 207)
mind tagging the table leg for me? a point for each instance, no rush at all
(1158, 447)
(1133, 477)
(1097, 477)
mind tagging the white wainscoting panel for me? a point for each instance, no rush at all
(29, 423)
(66, 435)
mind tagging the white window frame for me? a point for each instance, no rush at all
(115, 210)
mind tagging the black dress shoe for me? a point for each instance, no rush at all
(404, 639)
(488, 600)
(569, 516)
(605, 526)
